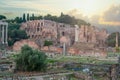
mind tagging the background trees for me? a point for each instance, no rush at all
(63, 18)
(18, 20)
(2, 17)
(111, 40)
(15, 34)
(48, 43)
(31, 60)
(28, 18)
(24, 18)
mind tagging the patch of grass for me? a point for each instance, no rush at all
(51, 60)
(113, 54)
(5, 61)
(88, 60)
(6, 73)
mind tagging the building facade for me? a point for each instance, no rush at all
(71, 38)
(41, 30)
(90, 34)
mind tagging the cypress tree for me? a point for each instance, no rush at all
(33, 17)
(28, 18)
(24, 19)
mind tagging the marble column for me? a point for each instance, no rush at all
(2, 34)
(116, 39)
(76, 33)
(64, 49)
(6, 34)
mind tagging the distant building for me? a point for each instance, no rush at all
(76, 38)
(49, 30)
(90, 34)
(3, 32)
(41, 30)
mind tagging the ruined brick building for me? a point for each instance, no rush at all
(41, 30)
(90, 34)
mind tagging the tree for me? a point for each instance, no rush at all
(40, 17)
(15, 34)
(18, 20)
(50, 17)
(13, 26)
(24, 18)
(33, 17)
(48, 43)
(28, 18)
(111, 40)
(2, 17)
(31, 60)
(66, 19)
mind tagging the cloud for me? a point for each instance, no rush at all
(113, 13)
(8, 13)
(111, 16)
(27, 5)
(94, 19)
(109, 20)
(78, 14)
(18, 7)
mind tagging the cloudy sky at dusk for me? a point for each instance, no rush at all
(105, 12)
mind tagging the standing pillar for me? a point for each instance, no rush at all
(64, 49)
(63, 41)
(2, 34)
(6, 34)
(43, 22)
(76, 33)
(116, 39)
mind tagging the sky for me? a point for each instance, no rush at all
(97, 12)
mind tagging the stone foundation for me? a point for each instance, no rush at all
(17, 45)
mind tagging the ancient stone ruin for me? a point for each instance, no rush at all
(78, 40)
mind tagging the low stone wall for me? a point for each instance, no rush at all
(17, 45)
(51, 49)
(93, 53)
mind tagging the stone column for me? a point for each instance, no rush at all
(6, 34)
(64, 49)
(116, 39)
(3, 34)
(76, 33)
(43, 21)
(0, 33)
